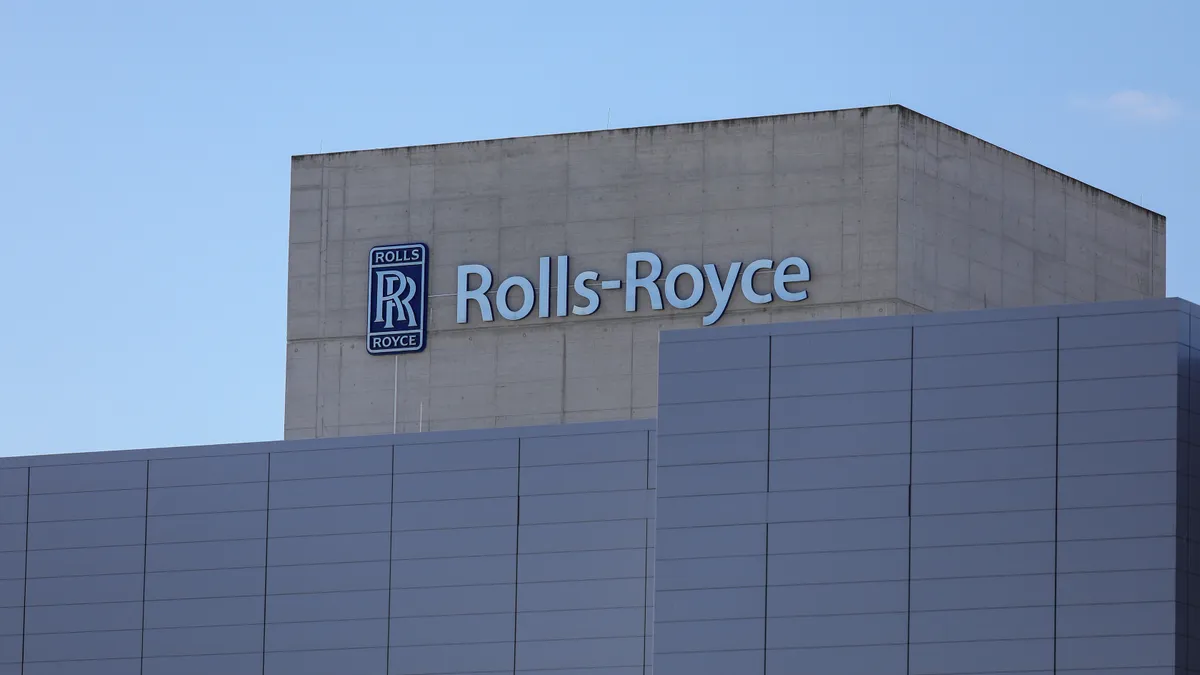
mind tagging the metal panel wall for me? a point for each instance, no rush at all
(14, 503)
(473, 552)
(989, 492)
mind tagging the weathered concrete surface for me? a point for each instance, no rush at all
(894, 212)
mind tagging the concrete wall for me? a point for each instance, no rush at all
(504, 552)
(894, 212)
(982, 227)
(963, 493)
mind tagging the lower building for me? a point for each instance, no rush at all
(998, 491)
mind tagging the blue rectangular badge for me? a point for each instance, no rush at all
(399, 294)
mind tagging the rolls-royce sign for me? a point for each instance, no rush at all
(399, 293)
(642, 272)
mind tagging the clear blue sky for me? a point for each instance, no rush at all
(144, 149)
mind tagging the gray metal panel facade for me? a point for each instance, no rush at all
(986, 492)
(963, 494)
(461, 552)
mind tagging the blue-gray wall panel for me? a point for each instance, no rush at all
(987, 560)
(985, 337)
(87, 533)
(102, 667)
(286, 494)
(1025, 494)
(983, 592)
(86, 562)
(451, 600)
(197, 499)
(994, 623)
(339, 462)
(585, 536)
(12, 592)
(208, 470)
(584, 448)
(708, 510)
(439, 659)
(204, 555)
(13, 509)
(978, 434)
(573, 478)
(735, 354)
(841, 347)
(79, 618)
(457, 542)
(468, 571)
(87, 478)
(741, 571)
(235, 611)
(842, 504)
(841, 378)
(231, 582)
(339, 606)
(598, 593)
(1117, 329)
(331, 520)
(982, 656)
(87, 505)
(341, 661)
(207, 664)
(961, 466)
(872, 597)
(85, 589)
(840, 409)
(875, 659)
(845, 630)
(839, 441)
(868, 534)
(1098, 363)
(356, 576)
(985, 369)
(585, 507)
(454, 513)
(565, 625)
(109, 644)
(340, 634)
(460, 628)
(714, 385)
(334, 548)
(500, 453)
(712, 448)
(711, 479)
(1114, 458)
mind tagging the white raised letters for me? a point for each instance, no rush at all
(643, 273)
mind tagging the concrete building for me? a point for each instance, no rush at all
(1005, 491)
(893, 213)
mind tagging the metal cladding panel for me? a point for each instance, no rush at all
(938, 494)
(226, 664)
(14, 535)
(945, 494)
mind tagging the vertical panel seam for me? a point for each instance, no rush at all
(767, 524)
(1057, 480)
(517, 559)
(912, 377)
(25, 572)
(387, 658)
(266, 564)
(145, 558)
(646, 560)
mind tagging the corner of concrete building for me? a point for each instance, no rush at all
(979, 226)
